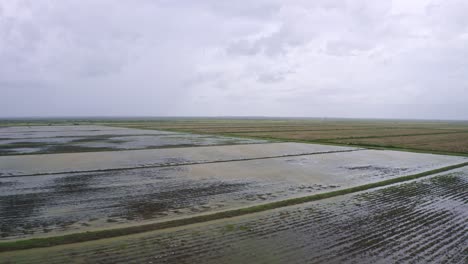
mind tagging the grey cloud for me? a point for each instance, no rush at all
(278, 42)
(273, 44)
(346, 48)
(244, 47)
(448, 17)
(270, 78)
(274, 76)
(262, 57)
(255, 10)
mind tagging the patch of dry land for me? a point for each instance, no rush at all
(339, 134)
(136, 180)
(457, 143)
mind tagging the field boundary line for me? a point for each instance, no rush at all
(287, 130)
(400, 135)
(330, 142)
(363, 137)
(365, 146)
(185, 164)
(357, 137)
(109, 233)
(236, 134)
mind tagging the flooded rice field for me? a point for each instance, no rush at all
(423, 221)
(88, 138)
(51, 204)
(130, 177)
(95, 161)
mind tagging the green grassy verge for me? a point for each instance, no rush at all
(94, 235)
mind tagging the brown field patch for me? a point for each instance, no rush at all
(235, 125)
(337, 134)
(418, 135)
(444, 142)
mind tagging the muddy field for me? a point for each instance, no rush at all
(88, 138)
(419, 222)
(69, 202)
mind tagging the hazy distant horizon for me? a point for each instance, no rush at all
(83, 118)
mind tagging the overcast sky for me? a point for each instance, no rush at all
(356, 58)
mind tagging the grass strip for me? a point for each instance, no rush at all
(94, 235)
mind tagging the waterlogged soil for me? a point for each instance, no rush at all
(63, 139)
(419, 222)
(59, 163)
(61, 203)
(70, 202)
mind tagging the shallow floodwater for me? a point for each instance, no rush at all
(83, 138)
(51, 194)
(54, 203)
(66, 162)
(423, 221)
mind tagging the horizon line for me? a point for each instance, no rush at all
(78, 117)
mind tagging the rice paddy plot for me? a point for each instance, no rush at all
(109, 160)
(53, 204)
(423, 221)
(134, 180)
(63, 139)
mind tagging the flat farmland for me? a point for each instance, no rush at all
(249, 128)
(439, 136)
(457, 143)
(40, 204)
(230, 191)
(340, 134)
(419, 222)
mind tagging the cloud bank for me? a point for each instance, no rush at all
(359, 58)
